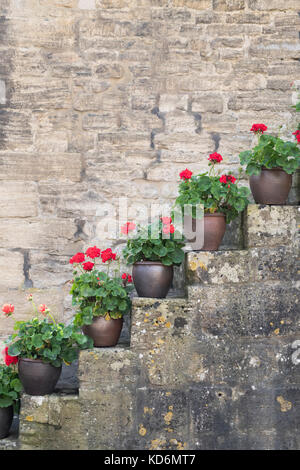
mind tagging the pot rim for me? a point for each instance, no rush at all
(276, 168)
(215, 214)
(27, 359)
(102, 316)
(152, 263)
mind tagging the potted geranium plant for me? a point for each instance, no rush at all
(102, 298)
(270, 165)
(153, 251)
(10, 387)
(220, 196)
(42, 345)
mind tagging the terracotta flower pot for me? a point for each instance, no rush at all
(6, 418)
(152, 279)
(37, 377)
(104, 333)
(271, 186)
(214, 230)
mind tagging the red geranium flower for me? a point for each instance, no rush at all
(108, 255)
(166, 220)
(43, 308)
(93, 252)
(127, 227)
(227, 179)
(186, 174)
(297, 136)
(78, 258)
(258, 128)
(88, 266)
(9, 359)
(126, 277)
(8, 309)
(168, 229)
(215, 157)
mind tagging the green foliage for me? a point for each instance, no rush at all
(98, 294)
(51, 342)
(215, 196)
(151, 244)
(271, 152)
(10, 386)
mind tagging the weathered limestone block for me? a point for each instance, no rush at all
(274, 5)
(108, 379)
(56, 236)
(11, 269)
(33, 167)
(272, 226)
(19, 199)
(241, 266)
(228, 5)
(194, 4)
(107, 367)
(254, 309)
(162, 335)
(208, 103)
(162, 419)
(51, 422)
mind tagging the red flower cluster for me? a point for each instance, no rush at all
(215, 157)
(127, 227)
(88, 266)
(8, 309)
(108, 255)
(78, 258)
(168, 227)
(43, 309)
(227, 179)
(166, 220)
(93, 252)
(126, 277)
(297, 136)
(258, 128)
(186, 174)
(9, 360)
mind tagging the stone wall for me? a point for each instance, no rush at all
(219, 369)
(107, 98)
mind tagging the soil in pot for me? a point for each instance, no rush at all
(6, 418)
(152, 279)
(37, 377)
(271, 186)
(104, 333)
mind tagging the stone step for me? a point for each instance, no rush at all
(242, 266)
(270, 226)
(214, 370)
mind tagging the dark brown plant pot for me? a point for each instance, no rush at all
(271, 186)
(152, 279)
(214, 230)
(6, 418)
(104, 333)
(37, 377)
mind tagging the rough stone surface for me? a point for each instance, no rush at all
(219, 369)
(107, 98)
(101, 99)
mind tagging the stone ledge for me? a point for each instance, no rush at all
(241, 266)
(106, 367)
(271, 225)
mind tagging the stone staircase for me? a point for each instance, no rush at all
(219, 369)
